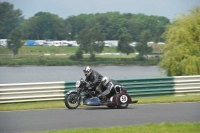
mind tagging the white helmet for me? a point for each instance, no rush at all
(105, 81)
(87, 70)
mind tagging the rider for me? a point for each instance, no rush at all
(93, 78)
(110, 86)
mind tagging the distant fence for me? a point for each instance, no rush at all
(45, 91)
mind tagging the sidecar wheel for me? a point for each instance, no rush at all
(112, 99)
(72, 101)
(123, 101)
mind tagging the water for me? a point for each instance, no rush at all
(29, 74)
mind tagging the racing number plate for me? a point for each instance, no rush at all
(123, 98)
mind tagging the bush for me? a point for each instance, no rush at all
(72, 60)
(92, 57)
(72, 57)
(79, 54)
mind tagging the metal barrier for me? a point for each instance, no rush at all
(26, 92)
(177, 85)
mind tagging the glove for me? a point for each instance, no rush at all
(91, 84)
(87, 84)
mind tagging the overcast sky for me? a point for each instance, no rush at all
(66, 8)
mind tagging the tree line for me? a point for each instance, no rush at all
(45, 25)
(181, 53)
(90, 30)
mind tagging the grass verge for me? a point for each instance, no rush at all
(60, 104)
(62, 56)
(148, 128)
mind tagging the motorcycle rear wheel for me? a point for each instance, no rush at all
(72, 100)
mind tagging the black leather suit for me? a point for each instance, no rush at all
(95, 81)
(112, 88)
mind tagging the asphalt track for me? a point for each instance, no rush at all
(53, 119)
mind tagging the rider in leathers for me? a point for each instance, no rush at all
(94, 79)
(111, 86)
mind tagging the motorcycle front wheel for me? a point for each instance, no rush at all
(72, 100)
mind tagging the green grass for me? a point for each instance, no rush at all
(46, 49)
(57, 50)
(51, 50)
(36, 55)
(32, 105)
(25, 51)
(60, 104)
(66, 60)
(148, 128)
(169, 99)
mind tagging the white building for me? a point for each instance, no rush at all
(3, 42)
(64, 43)
(55, 43)
(73, 43)
(111, 43)
(40, 42)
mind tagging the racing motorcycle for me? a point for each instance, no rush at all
(117, 98)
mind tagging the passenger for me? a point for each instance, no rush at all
(110, 86)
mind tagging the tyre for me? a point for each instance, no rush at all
(72, 100)
(112, 99)
(123, 101)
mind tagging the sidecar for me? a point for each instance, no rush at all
(121, 100)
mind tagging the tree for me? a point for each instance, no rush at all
(136, 24)
(78, 23)
(124, 44)
(9, 18)
(182, 51)
(159, 28)
(113, 24)
(91, 40)
(30, 28)
(14, 40)
(142, 47)
(44, 25)
(69, 31)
